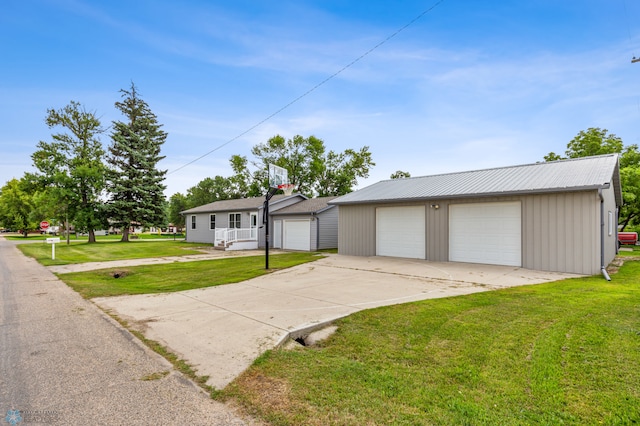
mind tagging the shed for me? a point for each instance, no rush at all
(553, 216)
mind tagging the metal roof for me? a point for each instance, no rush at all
(241, 204)
(312, 205)
(556, 176)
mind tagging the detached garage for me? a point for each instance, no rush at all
(555, 216)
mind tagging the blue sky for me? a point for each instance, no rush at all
(469, 85)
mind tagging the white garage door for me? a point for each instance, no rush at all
(296, 234)
(400, 232)
(486, 233)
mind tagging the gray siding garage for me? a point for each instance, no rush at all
(309, 225)
(543, 216)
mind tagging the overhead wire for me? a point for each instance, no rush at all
(323, 82)
(626, 14)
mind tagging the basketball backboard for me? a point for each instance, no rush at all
(277, 176)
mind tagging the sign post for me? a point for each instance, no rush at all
(53, 242)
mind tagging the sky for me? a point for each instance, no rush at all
(468, 85)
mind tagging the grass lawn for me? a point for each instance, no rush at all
(36, 237)
(178, 276)
(635, 252)
(566, 352)
(81, 252)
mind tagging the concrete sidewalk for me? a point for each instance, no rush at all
(222, 330)
(91, 266)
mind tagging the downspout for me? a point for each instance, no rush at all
(313, 214)
(602, 265)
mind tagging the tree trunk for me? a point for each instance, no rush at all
(92, 236)
(25, 234)
(626, 221)
(125, 234)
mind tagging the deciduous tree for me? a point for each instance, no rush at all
(400, 175)
(72, 167)
(177, 204)
(17, 207)
(209, 190)
(596, 141)
(311, 169)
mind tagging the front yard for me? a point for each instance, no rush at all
(178, 276)
(566, 352)
(81, 252)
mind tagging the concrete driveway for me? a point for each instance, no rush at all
(222, 330)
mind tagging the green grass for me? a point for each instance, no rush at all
(74, 238)
(178, 276)
(566, 352)
(635, 252)
(82, 252)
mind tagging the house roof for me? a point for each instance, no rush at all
(241, 204)
(312, 205)
(556, 176)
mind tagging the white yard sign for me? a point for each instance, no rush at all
(53, 242)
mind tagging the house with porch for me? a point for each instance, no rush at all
(234, 224)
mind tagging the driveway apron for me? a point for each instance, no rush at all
(222, 330)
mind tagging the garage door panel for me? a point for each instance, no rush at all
(296, 235)
(486, 233)
(400, 231)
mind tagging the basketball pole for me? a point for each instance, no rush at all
(270, 194)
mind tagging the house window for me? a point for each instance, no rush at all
(234, 220)
(610, 223)
(212, 221)
(193, 222)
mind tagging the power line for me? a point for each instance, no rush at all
(326, 80)
(626, 14)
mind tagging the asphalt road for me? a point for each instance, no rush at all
(64, 361)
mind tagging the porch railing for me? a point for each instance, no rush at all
(230, 235)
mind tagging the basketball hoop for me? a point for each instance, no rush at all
(287, 188)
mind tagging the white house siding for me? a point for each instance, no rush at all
(202, 233)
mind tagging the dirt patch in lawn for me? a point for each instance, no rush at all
(617, 263)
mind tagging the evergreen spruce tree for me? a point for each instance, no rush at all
(135, 183)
